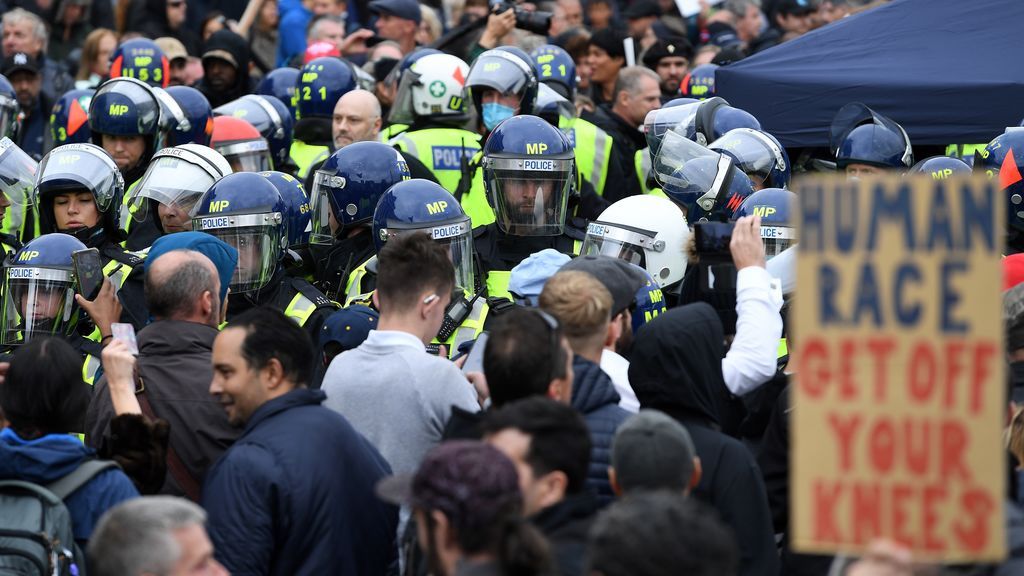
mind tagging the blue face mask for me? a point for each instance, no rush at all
(495, 113)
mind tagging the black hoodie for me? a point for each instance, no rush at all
(676, 367)
(238, 48)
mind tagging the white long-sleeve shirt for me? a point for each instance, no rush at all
(753, 357)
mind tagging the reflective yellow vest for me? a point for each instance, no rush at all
(306, 155)
(354, 292)
(470, 328)
(642, 163)
(389, 132)
(593, 150)
(964, 150)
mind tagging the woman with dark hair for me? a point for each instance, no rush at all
(468, 509)
(44, 400)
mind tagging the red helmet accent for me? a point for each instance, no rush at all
(228, 129)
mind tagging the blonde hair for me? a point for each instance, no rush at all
(91, 49)
(582, 305)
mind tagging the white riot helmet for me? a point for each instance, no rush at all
(177, 176)
(435, 85)
(645, 230)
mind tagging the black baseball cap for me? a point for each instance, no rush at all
(21, 61)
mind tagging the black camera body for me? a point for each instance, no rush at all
(536, 22)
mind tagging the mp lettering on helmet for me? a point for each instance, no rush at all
(764, 211)
(219, 205)
(437, 207)
(942, 174)
(492, 66)
(28, 256)
(143, 60)
(536, 147)
(118, 109)
(68, 159)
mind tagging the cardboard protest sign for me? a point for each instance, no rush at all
(899, 395)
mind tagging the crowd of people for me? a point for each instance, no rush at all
(450, 287)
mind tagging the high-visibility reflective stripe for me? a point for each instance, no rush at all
(783, 349)
(354, 288)
(300, 309)
(90, 367)
(305, 156)
(602, 151)
(497, 284)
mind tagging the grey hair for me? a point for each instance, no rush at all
(629, 79)
(137, 536)
(176, 292)
(19, 15)
(739, 7)
(314, 27)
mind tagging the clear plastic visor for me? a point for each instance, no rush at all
(257, 237)
(8, 114)
(251, 156)
(530, 195)
(658, 122)
(321, 216)
(37, 302)
(17, 172)
(675, 151)
(77, 166)
(625, 243)
(172, 182)
(753, 157)
(457, 238)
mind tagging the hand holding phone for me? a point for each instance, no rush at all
(125, 333)
(88, 272)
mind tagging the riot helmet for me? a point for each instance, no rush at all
(241, 145)
(126, 108)
(142, 59)
(189, 119)
(758, 154)
(859, 135)
(245, 210)
(508, 71)
(321, 83)
(555, 68)
(700, 82)
(348, 186)
(297, 215)
(778, 226)
(281, 84)
(71, 172)
(69, 119)
(529, 175)
(175, 181)
(269, 116)
(433, 87)
(8, 107)
(941, 167)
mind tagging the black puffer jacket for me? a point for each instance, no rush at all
(676, 367)
(594, 396)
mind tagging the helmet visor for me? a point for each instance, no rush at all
(402, 110)
(249, 108)
(37, 302)
(658, 122)
(257, 237)
(8, 115)
(675, 151)
(753, 157)
(457, 238)
(321, 215)
(171, 181)
(777, 239)
(17, 173)
(76, 167)
(622, 242)
(530, 195)
(499, 71)
(253, 156)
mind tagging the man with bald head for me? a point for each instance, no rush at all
(356, 118)
(183, 278)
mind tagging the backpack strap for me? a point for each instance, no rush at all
(85, 472)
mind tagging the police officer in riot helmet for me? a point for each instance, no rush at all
(245, 210)
(321, 82)
(1002, 160)
(124, 117)
(345, 192)
(503, 84)
(865, 142)
(530, 174)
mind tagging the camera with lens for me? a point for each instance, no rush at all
(536, 22)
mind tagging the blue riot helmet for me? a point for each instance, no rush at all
(679, 102)
(420, 205)
(650, 302)
(554, 67)
(941, 167)
(758, 154)
(1002, 160)
(142, 59)
(529, 175)
(348, 186)
(245, 210)
(78, 169)
(322, 81)
(775, 206)
(69, 118)
(700, 82)
(175, 180)
(280, 83)
(39, 290)
(127, 107)
(8, 107)
(297, 216)
(191, 121)
(706, 187)
(859, 135)
(552, 106)
(507, 71)
(678, 118)
(714, 117)
(269, 116)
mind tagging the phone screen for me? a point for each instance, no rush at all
(713, 237)
(475, 361)
(88, 272)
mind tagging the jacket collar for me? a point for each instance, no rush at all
(294, 399)
(176, 336)
(592, 388)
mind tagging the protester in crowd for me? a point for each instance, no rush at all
(550, 446)
(26, 33)
(357, 118)
(94, 63)
(670, 59)
(468, 510)
(184, 277)
(44, 401)
(636, 92)
(259, 25)
(583, 306)
(527, 353)
(389, 388)
(25, 74)
(605, 57)
(660, 534)
(651, 451)
(153, 535)
(225, 68)
(345, 330)
(397, 20)
(274, 476)
(158, 18)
